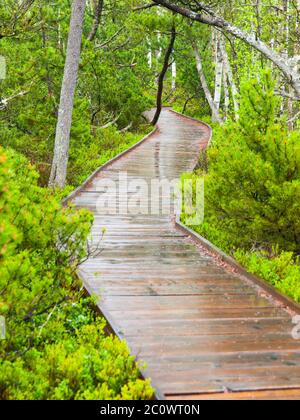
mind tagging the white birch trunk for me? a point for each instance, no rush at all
(215, 113)
(150, 59)
(212, 19)
(233, 86)
(219, 75)
(174, 75)
(290, 106)
(226, 93)
(159, 51)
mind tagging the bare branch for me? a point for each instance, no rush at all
(144, 7)
(110, 123)
(209, 17)
(126, 128)
(4, 102)
(295, 118)
(109, 40)
(287, 95)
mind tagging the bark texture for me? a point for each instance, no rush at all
(228, 72)
(64, 122)
(214, 111)
(98, 9)
(219, 74)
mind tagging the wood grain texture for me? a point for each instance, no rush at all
(203, 330)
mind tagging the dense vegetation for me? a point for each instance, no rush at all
(252, 189)
(234, 64)
(35, 60)
(55, 346)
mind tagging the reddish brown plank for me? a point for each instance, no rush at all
(272, 395)
(203, 330)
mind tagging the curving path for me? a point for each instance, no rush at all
(204, 331)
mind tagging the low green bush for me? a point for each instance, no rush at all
(55, 346)
(253, 183)
(105, 145)
(88, 149)
(282, 271)
(84, 365)
(252, 188)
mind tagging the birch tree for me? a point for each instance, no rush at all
(215, 112)
(174, 75)
(62, 139)
(229, 74)
(226, 93)
(208, 16)
(219, 74)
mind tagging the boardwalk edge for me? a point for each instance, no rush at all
(270, 290)
(158, 395)
(106, 165)
(287, 302)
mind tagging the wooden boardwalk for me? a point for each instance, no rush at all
(204, 331)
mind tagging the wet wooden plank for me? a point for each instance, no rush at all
(264, 360)
(119, 289)
(203, 327)
(223, 379)
(270, 395)
(155, 303)
(197, 313)
(202, 330)
(177, 345)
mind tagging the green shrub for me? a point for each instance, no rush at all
(83, 366)
(252, 189)
(253, 186)
(55, 347)
(282, 271)
(106, 144)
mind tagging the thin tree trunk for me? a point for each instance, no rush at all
(47, 77)
(219, 75)
(215, 113)
(174, 75)
(63, 129)
(258, 18)
(149, 55)
(158, 52)
(286, 31)
(60, 41)
(228, 71)
(98, 9)
(162, 75)
(186, 103)
(226, 93)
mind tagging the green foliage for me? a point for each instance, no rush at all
(253, 185)
(282, 271)
(103, 146)
(43, 246)
(252, 189)
(258, 108)
(84, 366)
(55, 347)
(109, 88)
